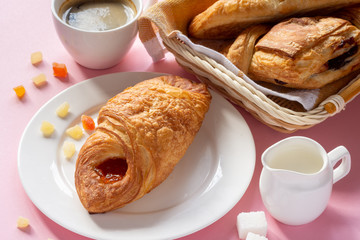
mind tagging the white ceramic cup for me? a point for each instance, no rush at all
(96, 49)
(297, 178)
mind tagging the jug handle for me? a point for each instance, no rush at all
(337, 154)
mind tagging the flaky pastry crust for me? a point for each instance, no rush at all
(226, 18)
(142, 133)
(306, 52)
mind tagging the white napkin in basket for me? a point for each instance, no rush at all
(306, 98)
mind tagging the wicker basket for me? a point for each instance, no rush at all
(271, 111)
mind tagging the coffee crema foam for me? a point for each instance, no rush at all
(97, 15)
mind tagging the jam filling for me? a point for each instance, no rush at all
(112, 170)
(340, 61)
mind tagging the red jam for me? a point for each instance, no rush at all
(112, 170)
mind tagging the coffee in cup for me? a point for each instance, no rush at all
(97, 15)
(96, 49)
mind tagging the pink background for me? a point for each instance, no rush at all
(26, 27)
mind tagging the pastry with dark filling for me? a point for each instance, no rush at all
(224, 19)
(306, 53)
(142, 134)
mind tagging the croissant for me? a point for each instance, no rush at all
(142, 134)
(226, 18)
(307, 52)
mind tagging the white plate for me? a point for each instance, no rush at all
(210, 179)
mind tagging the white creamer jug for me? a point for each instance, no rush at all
(297, 177)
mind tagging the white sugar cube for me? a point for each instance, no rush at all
(254, 222)
(254, 236)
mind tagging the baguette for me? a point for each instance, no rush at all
(226, 18)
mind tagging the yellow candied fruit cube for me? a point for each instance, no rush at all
(75, 132)
(36, 58)
(20, 91)
(63, 110)
(39, 80)
(47, 128)
(68, 149)
(22, 223)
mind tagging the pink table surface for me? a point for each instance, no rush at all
(26, 26)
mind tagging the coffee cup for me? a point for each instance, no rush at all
(297, 178)
(95, 48)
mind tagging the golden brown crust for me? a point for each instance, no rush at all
(147, 128)
(293, 37)
(306, 52)
(242, 49)
(226, 18)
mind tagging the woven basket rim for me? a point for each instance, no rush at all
(254, 101)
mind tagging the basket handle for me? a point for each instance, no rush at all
(347, 94)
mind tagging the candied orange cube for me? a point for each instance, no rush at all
(87, 122)
(59, 69)
(20, 91)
